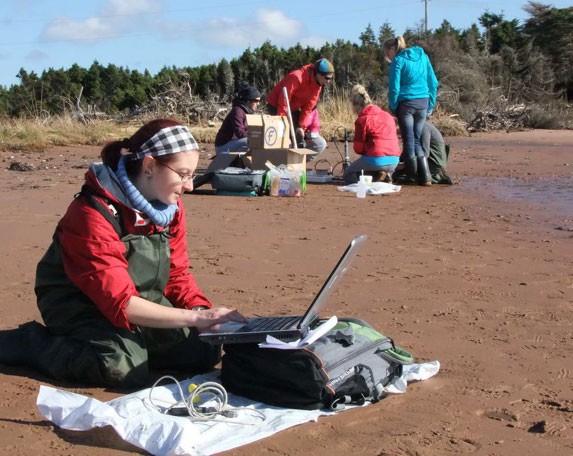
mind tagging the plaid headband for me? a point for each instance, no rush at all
(170, 140)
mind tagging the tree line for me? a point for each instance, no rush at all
(494, 59)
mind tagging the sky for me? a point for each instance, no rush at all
(151, 34)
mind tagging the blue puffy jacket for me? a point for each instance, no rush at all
(412, 77)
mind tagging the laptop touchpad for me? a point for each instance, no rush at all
(230, 326)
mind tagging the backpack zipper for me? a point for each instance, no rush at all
(386, 340)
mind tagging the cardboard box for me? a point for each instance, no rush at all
(268, 132)
(294, 159)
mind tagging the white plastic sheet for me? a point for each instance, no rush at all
(377, 188)
(137, 422)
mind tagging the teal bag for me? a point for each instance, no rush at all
(238, 181)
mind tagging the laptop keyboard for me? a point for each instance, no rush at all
(271, 323)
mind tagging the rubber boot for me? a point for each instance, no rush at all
(33, 346)
(411, 171)
(424, 176)
(18, 346)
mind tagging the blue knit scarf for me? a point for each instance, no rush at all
(159, 213)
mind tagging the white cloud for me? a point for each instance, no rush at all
(275, 23)
(130, 7)
(116, 18)
(272, 25)
(119, 18)
(90, 29)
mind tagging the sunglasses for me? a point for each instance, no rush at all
(256, 100)
(328, 78)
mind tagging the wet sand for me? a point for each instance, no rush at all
(477, 275)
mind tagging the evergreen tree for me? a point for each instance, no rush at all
(386, 32)
(367, 38)
(524, 63)
(551, 32)
(225, 80)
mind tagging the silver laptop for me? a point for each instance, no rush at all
(285, 328)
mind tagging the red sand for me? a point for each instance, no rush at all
(478, 276)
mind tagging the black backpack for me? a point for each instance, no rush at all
(351, 364)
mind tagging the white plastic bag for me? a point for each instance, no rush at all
(284, 181)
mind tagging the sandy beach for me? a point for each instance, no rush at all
(477, 275)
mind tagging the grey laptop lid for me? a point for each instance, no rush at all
(319, 301)
(241, 333)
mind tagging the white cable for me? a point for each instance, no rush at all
(216, 396)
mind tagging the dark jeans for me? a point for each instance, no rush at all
(411, 118)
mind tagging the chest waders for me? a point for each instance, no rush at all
(438, 162)
(85, 346)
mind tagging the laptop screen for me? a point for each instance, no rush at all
(339, 270)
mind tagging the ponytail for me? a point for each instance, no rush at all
(399, 43)
(112, 152)
(360, 97)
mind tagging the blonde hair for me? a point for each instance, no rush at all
(398, 42)
(359, 97)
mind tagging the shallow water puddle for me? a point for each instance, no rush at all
(552, 193)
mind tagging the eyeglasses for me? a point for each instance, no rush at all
(328, 78)
(184, 177)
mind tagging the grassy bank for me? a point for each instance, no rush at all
(38, 134)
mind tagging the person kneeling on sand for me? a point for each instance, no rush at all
(436, 151)
(375, 140)
(114, 288)
(233, 134)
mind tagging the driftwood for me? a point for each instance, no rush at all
(193, 111)
(179, 101)
(510, 118)
(173, 101)
(79, 114)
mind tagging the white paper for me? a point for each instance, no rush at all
(312, 335)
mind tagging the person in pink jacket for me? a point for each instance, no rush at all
(375, 140)
(303, 88)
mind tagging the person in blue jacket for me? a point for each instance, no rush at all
(412, 91)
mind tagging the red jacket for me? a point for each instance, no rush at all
(375, 133)
(93, 256)
(303, 91)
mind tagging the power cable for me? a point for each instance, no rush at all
(205, 402)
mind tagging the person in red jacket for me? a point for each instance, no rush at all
(375, 139)
(114, 288)
(303, 88)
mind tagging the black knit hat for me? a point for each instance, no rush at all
(247, 93)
